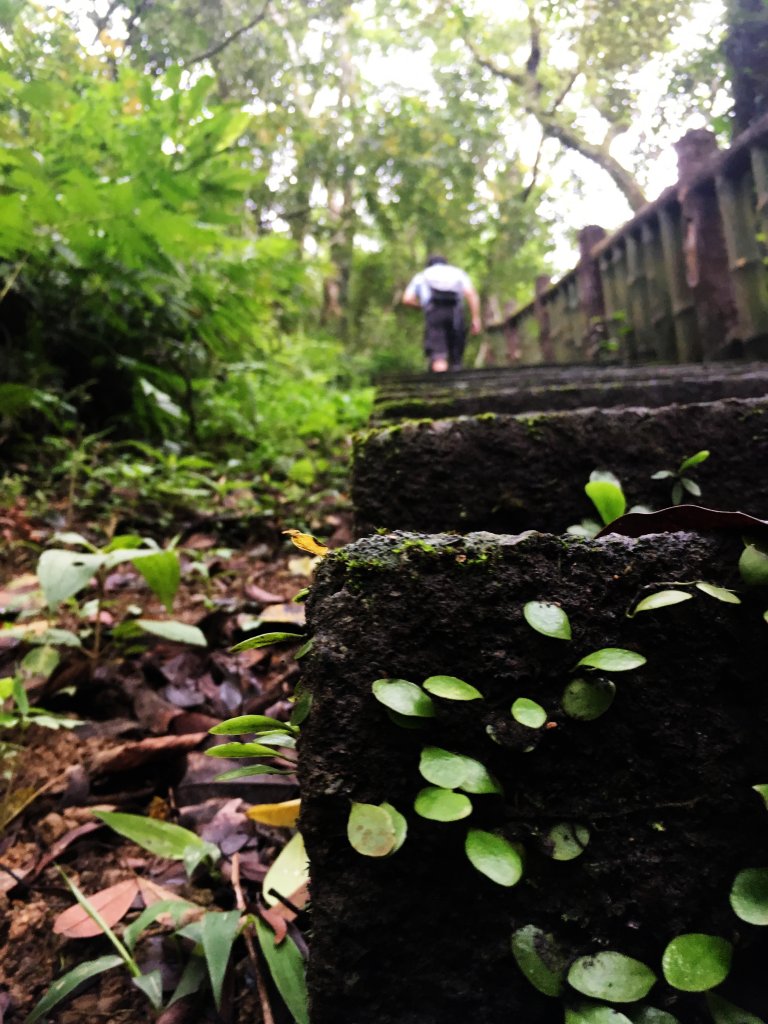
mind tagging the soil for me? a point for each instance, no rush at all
(663, 781)
(511, 473)
(145, 712)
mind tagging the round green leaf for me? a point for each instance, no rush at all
(587, 699)
(594, 1014)
(749, 895)
(566, 841)
(547, 618)
(442, 768)
(763, 792)
(399, 824)
(611, 976)
(371, 830)
(404, 697)
(494, 856)
(753, 566)
(529, 713)
(451, 688)
(442, 805)
(539, 958)
(696, 962)
(661, 599)
(719, 593)
(478, 779)
(613, 659)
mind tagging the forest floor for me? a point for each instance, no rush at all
(145, 709)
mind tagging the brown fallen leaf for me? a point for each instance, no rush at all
(23, 594)
(261, 596)
(292, 614)
(276, 922)
(154, 748)
(112, 904)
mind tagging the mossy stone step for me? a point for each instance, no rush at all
(505, 394)
(657, 790)
(509, 473)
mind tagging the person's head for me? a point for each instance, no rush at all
(434, 258)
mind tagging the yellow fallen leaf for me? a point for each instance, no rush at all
(284, 815)
(306, 542)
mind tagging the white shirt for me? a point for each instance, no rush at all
(442, 276)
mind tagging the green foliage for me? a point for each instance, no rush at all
(547, 618)
(403, 697)
(451, 688)
(681, 482)
(494, 856)
(440, 804)
(612, 659)
(611, 976)
(606, 494)
(588, 699)
(661, 599)
(540, 959)
(566, 841)
(527, 712)
(162, 838)
(749, 895)
(697, 962)
(375, 831)
(286, 965)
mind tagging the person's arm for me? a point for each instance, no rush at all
(473, 301)
(411, 295)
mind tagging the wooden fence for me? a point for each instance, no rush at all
(686, 280)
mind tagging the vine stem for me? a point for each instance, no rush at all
(266, 1009)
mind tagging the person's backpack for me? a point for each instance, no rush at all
(441, 297)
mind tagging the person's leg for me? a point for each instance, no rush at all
(457, 339)
(437, 325)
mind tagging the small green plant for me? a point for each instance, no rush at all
(213, 934)
(682, 482)
(605, 492)
(63, 574)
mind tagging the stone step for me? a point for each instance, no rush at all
(427, 383)
(509, 473)
(503, 396)
(657, 791)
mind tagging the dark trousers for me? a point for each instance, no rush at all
(445, 333)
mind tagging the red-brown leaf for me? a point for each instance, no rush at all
(112, 904)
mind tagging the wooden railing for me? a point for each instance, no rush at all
(686, 280)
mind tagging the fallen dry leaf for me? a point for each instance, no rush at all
(289, 613)
(112, 904)
(154, 748)
(306, 542)
(261, 596)
(284, 814)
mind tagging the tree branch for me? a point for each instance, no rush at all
(230, 37)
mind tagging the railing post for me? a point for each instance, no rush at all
(512, 334)
(590, 285)
(542, 318)
(687, 341)
(706, 260)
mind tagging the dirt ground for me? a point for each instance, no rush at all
(145, 708)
